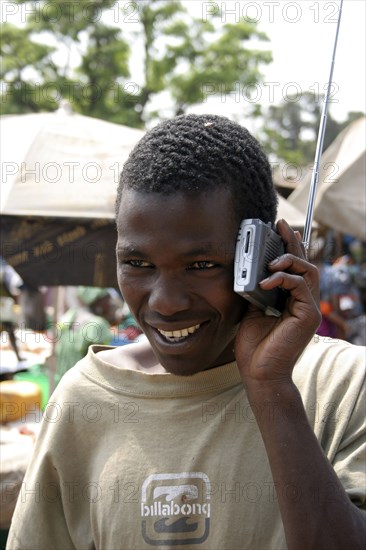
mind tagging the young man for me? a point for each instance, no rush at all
(226, 429)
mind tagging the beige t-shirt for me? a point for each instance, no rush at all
(129, 460)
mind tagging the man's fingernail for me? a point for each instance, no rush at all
(275, 261)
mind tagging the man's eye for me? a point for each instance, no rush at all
(138, 263)
(202, 265)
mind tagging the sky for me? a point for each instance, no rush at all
(302, 36)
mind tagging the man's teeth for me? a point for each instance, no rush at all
(173, 334)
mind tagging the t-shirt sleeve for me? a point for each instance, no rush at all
(49, 509)
(350, 460)
(331, 378)
(39, 520)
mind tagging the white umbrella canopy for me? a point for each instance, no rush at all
(62, 164)
(59, 174)
(294, 217)
(340, 201)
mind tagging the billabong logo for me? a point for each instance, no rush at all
(175, 508)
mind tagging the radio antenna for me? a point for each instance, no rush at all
(319, 145)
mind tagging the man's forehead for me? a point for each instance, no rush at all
(131, 196)
(190, 250)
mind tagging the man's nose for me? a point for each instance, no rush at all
(169, 296)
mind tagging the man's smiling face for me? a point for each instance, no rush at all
(175, 259)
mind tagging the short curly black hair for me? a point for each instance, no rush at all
(197, 153)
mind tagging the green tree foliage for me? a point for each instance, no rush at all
(22, 62)
(90, 57)
(290, 129)
(85, 65)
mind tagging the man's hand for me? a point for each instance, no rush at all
(267, 348)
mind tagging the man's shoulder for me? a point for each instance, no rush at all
(322, 348)
(330, 365)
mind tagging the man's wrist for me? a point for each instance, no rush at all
(274, 401)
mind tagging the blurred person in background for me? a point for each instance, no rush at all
(340, 302)
(127, 329)
(32, 306)
(10, 287)
(348, 287)
(332, 324)
(90, 323)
